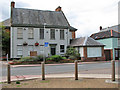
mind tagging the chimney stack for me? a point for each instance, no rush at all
(100, 27)
(12, 4)
(58, 8)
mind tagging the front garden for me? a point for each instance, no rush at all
(70, 56)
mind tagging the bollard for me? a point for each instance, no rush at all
(43, 71)
(76, 70)
(113, 70)
(8, 74)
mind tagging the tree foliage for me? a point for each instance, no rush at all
(72, 52)
(5, 39)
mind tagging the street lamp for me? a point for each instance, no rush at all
(44, 46)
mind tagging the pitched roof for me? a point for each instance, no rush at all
(85, 41)
(37, 18)
(105, 34)
(115, 28)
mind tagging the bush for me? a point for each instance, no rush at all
(72, 53)
(38, 58)
(72, 57)
(64, 58)
(48, 59)
(25, 59)
(56, 58)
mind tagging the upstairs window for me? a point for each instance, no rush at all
(41, 33)
(19, 33)
(61, 48)
(30, 33)
(62, 34)
(52, 34)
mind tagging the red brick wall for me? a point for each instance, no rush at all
(73, 34)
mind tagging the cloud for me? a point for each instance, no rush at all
(5, 5)
(85, 15)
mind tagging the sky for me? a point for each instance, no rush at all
(85, 15)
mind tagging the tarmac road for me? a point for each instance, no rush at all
(92, 68)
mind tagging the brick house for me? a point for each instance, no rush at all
(89, 49)
(35, 32)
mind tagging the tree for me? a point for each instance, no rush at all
(72, 52)
(5, 39)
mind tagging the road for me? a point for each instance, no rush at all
(103, 68)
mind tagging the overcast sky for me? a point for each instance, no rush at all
(85, 15)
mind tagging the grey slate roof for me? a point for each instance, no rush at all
(85, 41)
(105, 34)
(115, 28)
(37, 18)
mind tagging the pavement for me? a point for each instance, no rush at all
(31, 65)
(28, 77)
(63, 75)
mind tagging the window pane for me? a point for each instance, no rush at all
(61, 34)
(30, 33)
(19, 50)
(41, 33)
(52, 34)
(19, 33)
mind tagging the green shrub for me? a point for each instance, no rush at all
(48, 59)
(25, 59)
(72, 57)
(38, 58)
(64, 58)
(72, 53)
(56, 58)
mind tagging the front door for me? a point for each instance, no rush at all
(107, 54)
(53, 50)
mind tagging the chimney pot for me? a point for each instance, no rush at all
(100, 27)
(58, 8)
(12, 4)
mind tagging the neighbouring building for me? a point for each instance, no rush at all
(35, 32)
(111, 38)
(89, 49)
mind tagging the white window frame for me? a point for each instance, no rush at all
(30, 33)
(94, 52)
(52, 34)
(41, 33)
(19, 33)
(62, 36)
(19, 51)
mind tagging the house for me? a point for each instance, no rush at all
(111, 39)
(35, 32)
(89, 49)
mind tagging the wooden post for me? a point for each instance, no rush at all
(8, 74)
(76, 70)
(43, 71)
(113, 70)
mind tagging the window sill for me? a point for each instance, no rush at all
(19, 38)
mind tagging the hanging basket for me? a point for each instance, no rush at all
(36, 44)
(25, 44)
